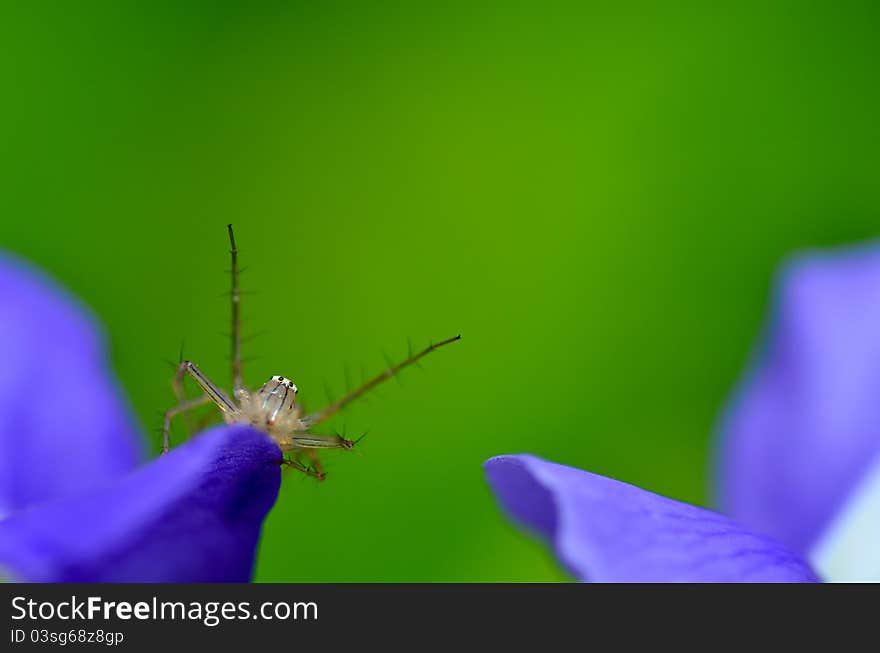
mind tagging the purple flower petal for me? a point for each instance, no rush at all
(607, 531)
(805, 425)
(193, 515)
(64, 425)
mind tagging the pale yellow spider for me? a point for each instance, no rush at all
(273, 408)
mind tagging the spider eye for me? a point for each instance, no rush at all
(285, 382)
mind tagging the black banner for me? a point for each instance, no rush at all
(330, 617)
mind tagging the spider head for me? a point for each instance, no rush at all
(274, 404)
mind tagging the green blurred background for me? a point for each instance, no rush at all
(594, 195)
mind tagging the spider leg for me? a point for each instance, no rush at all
(295, 463)
(312, 455)
(203, 422)
(212, 393)
(339, 404)
(180, 393)
(237, 384)
(182, 407)
(309, 441)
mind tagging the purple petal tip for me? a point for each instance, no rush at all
(193, 515)
(608, 531)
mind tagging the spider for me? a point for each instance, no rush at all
(273, 408)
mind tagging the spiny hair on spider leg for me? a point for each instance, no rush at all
(170, 363)
(345, 372)
(361, 437)
(253, 336)
(241, 270)
(328, 392)
(174, 365)
(390, 370)
(409, 354)
(247, 338)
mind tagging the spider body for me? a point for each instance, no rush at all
(273, 407)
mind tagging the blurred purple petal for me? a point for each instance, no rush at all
(193, 515)
(805, 425)
(607, 531)
(64, 424)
